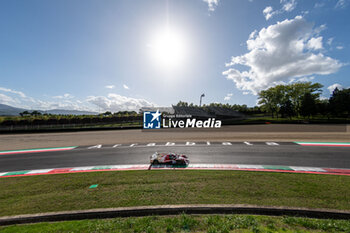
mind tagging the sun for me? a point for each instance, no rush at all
(168, 49)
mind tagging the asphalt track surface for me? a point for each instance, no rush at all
(255, 153)
(237, 133)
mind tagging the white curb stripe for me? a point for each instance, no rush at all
(191, 166)
(128, 166)
(82, 168)
(250, 166)
(308, 169)
(202, 165)
(39, 171)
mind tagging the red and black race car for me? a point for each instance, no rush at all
(169, 159)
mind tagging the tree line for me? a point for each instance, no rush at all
(303, 100)
(108, 113)
(38, 118)
(236, 107)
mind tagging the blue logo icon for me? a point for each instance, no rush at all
(151, 120)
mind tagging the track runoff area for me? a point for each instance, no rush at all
(207, 155)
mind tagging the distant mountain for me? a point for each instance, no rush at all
(6, 110)
(68, 112)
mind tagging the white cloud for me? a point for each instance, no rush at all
(4, 99)
(339, 47)
(319, 4)
(341, 4)
(115, 103)
(305, 79)
(278, 54)
(319, 29)
(228, 96)
(110, 86)
(65, 96)
(330, 41)
(111, 102)
(315, 43)
(212, 4)
(268, 12)
(21, 94)
(65, 104)
(126, 87)
(332, 87)
(288, 6)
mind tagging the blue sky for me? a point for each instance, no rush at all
(112, 55)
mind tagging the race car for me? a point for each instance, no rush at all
(169, 159)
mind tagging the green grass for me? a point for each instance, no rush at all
(46, 193)
(190, 223)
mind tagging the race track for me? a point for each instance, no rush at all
(255, 153)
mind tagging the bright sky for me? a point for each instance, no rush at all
(121, 55)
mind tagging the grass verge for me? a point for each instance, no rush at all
(47, 193)
(190, 223)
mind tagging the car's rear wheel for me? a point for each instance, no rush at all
(155, 162)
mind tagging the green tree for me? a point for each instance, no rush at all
(340, 102)
(25, 113)
(308, 105)
(287, 109)
(270, 100)
(276, 99)
(298, 90)
(35, 113)
(323, 107)
(182, 104)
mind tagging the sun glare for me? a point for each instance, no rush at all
(168, 49)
